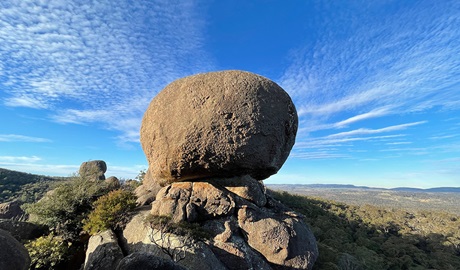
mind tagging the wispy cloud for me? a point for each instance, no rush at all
(367, 131)
(397, 65)
(21, 138)
(12, 159)
(83, 60)
(405, 64)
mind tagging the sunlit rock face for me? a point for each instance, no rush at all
(225, 124)
(210, 139)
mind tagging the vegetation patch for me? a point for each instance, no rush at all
(111, 211)
(370, 237)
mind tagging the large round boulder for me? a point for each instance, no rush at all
(225, 124)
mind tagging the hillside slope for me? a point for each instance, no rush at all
(24, 186)
(370, 237)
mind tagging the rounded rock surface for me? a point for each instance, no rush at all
(13, 255)
(225, 124)
(93, 170)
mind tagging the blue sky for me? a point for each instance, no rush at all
(376, 84)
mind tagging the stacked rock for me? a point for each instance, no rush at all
(209, 140)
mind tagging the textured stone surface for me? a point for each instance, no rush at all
(13, 255)
(11, 210)
(147, 261)
(22, 230)
(285, 241)
(149, 189)
(93, 170)
(193, 201)
(112, 183)
(136, 238)
(244, 186)
(223, 124)
(231, 248)
(103, 252)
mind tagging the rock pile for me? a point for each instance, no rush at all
(210, 139)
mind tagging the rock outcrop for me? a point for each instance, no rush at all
(224, 124)
(103, 252)
(13, 255)
(272, 233)
(210, 139)
(11, 210)
(93, 170)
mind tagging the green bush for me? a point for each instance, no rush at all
(110, 211)
(64, 208)
(47, 252)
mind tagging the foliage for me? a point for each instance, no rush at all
(175, 238)
(110, 211)
(24, 186)
(47, 252)
(370, 237)
(64, 208)
(140, 177)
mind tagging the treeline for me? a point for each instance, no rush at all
(25, 186)
(370, 237)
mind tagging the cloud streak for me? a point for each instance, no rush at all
(83, 60)
(21, 138)
(381, 65)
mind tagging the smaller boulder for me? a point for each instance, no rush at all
(103, 251)
(93, 170)
(112, 183)
(11, 210)
(193, 201)
(244, 186)
(149, 189)
(13, 255)
(284, 240)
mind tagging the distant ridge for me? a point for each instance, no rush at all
(340, 186)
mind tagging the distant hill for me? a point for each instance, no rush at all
(26, 187)
(433, 199)
(339, 186)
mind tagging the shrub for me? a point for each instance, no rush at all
(110, 211)
(64, 208)
(47, 252)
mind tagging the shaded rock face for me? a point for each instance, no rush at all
(22, 230)
(10, 210)
(13, 255)
(93, 170)
(112, 183)
(103, 252)
(283, 240)
(224, 124)
(147, 261)
(147, 192)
